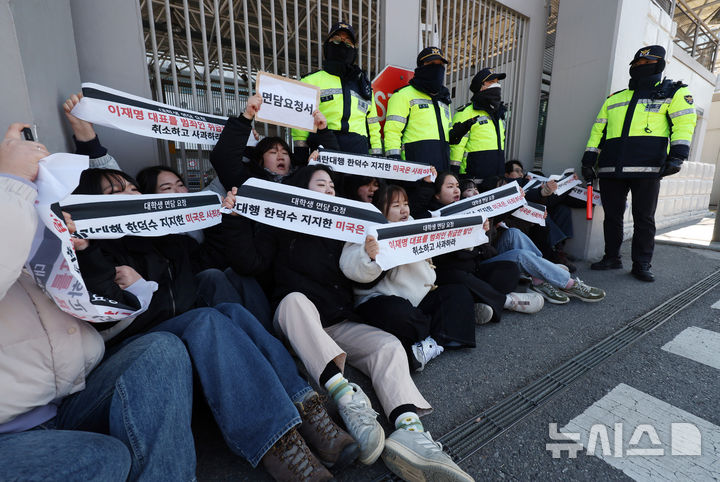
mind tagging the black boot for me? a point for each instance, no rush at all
(607, 263)
(642, 272)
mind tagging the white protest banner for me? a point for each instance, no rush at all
(287, 102)
(410, 241)
(306, 211)
(371, 166)
(116, 215)
(491, 203)
(532, 184)
(580, 193)
(119, 110)
(53, 262)
(531, 212)
(565, 181)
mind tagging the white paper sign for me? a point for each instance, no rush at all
(116, 215)
(287, 102)
(490, 203)
(119, 110)
(410, 241)
(306, 211)
(580, 193)
(531, 212)
(371, 166)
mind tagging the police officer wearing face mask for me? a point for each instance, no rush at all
(346, 97)
(418, 115)
(477, 139)
(640, 135)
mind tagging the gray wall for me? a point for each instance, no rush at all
(13, 91)
(111, 52)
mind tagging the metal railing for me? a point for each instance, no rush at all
(694, 36)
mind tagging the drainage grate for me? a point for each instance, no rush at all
(469, 437)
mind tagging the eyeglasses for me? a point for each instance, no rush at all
(342, 42)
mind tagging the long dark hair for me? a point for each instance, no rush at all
(147, 178)
(91, 180)
(302, 176)
(384, 197)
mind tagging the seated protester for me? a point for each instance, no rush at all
(250, 381)
(404, 300)
(558, 224)
(492, 284)
(217, 283)
(315, 314)
(64, 413)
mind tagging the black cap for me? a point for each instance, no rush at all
(483, 76)
(652, 52)
(430, 53)
(342, 26)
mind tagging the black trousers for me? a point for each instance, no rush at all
(613, 193)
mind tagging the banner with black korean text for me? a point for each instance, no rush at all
(287, 102)
(565, 181)
(372, 166)
(490, 203)
(532, 212)
(117, 215)
(119, 110)
(411, 241)
(306, 211)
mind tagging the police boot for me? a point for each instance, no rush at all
(642, 272)
(607, 263)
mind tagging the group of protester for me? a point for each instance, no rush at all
(227, 301)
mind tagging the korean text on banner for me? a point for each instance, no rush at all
(491, 203)
(579, 192)
(407, 242)
(306, 211)
(119, 110)
(565, 181)
(371, 166)
(287, 102)
(117, 215)
(532, 213)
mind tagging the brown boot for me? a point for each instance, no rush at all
(290, 460)
(334, 447)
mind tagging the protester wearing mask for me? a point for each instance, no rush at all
(478, 135)
(418, 115)
(629, 143)
(346, 97)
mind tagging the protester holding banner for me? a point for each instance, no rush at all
(316, 315)
(51, 379)
(247, 375)
(493, 283)
(86, 140)
(346, 97)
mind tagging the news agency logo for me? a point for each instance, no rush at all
(684, 439)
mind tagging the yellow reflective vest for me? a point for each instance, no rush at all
(346, 112)
(631, 136)
(417, 128)
(481, 151)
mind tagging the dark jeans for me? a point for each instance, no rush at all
(614, 193)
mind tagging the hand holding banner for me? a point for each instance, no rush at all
(371, 166)
(410, 241)
(287, 102)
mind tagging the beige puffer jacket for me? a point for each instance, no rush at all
(45, 354)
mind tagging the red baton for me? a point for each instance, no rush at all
(589, 202)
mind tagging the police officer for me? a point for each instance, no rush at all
(418, 115)
(346, 97)
(629, 141)
(477, 139)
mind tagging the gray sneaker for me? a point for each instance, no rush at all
(361, 422)
(415, 456)
(584, 292)
(550, 293)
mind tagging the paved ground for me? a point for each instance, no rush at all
(514, 353)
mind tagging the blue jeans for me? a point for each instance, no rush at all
(249, 379)
(215, 287)
(514, 245)
(139, 403)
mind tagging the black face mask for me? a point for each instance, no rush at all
(430, 78)
(642, 71)
(339, 58)
(644, 77)
(488, 99)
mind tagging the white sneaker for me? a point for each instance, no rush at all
(483, 313)
(426, 350)
(361, 423)
(415, 456)
(526, 302)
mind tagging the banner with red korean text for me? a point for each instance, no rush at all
(372, 166)
(532, 212)
(116, 215)
(119, 110)
(579, 192)
(565, 181)
(306, 211)
(411, 241)
(491, 203)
